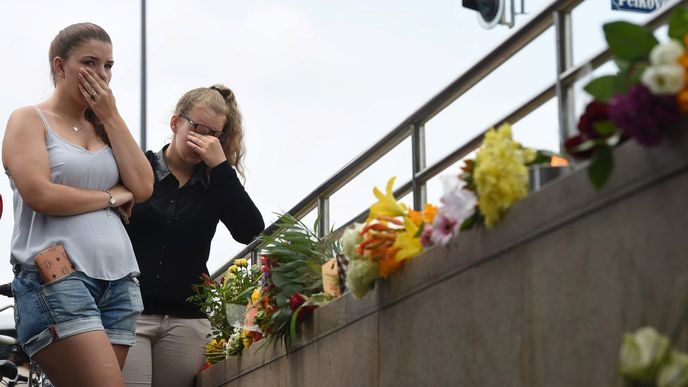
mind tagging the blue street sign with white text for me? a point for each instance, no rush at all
(644, 6)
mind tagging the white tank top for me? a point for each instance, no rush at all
(96, 241)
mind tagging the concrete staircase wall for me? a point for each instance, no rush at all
(543, 300)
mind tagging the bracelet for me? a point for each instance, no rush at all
(111, 199)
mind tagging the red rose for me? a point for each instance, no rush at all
(295, 301)
(595, 112)
(574, 142)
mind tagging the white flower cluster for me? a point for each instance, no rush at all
(665, 75)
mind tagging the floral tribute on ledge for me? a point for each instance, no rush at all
(266, 302)
(644, 101)
(483, 193)
(300, 271)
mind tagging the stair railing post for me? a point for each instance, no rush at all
(418, 163)
(564, 54)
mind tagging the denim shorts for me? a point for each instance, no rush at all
(71, 305)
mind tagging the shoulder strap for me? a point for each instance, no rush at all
(45, 120)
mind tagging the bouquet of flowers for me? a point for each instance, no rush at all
(292, 283)
(215, 297)
(488, 186)
(390, 236)
(498, 176)
(644, 101)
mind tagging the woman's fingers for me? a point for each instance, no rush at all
(98, 85)
(89, 97)
(87, 85)
(207, 147)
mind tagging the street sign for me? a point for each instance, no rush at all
(644, 6)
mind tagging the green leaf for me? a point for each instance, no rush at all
(678, 24)
(543, 157)
(603, 88)
(470, 222)
(605, 128)
(292, 325)
(628, 41)
(601, 166)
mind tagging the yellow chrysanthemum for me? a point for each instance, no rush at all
(500, 174)
(408, 242)
(387, 205)
(241, 262)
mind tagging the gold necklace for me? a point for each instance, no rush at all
(74, 125)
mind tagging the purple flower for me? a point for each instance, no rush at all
(643, 115)
(443, 229)
(426, 236)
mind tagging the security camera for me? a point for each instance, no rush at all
(493, 12)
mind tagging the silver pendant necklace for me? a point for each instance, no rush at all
(74, 124)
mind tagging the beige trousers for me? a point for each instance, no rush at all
(168, 352)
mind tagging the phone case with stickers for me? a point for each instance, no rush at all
(53, 263)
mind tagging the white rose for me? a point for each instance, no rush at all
(351, 239)
(663, 79)
(360, 276)
(666, 53)
(641, 355)
(675, 372)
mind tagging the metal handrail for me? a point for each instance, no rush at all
(498, 56)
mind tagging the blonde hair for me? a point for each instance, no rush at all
(221, 100)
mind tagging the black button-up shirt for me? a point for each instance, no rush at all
(171, 232)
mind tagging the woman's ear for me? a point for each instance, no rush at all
(174, 121)
(58, 67)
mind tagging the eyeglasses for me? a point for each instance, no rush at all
(202, 129)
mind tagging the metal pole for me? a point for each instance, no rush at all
(323, 216)
(142, 141)
(564, 44)
(418, 161)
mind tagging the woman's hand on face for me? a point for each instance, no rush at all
(208, 148)
(97, 93)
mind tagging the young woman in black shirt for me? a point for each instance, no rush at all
(196, 186)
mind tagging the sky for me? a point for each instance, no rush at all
(317, 82)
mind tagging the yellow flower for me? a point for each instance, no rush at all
(215, 346)
(387, 205)
(500, 174)
(246, 338)
(408, 242)
(229, 275)
(241, 262)
(255, 296)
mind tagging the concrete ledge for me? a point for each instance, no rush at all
(540, 301)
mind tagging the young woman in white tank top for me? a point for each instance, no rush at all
(73, 165)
